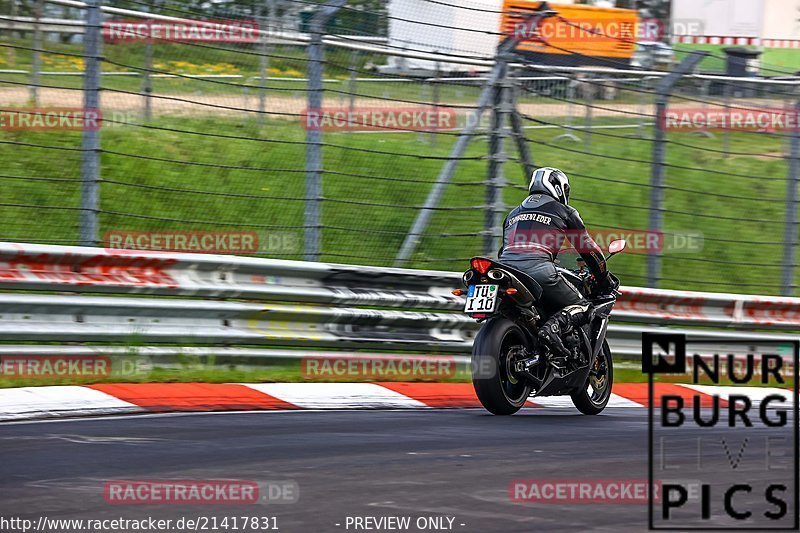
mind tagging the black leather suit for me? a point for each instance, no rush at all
(533, 234)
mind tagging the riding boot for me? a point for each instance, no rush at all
(552, 331)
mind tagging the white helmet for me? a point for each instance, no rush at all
(550, 181)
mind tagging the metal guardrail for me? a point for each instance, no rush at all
(238, 306)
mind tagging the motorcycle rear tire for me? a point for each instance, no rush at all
(498, 390)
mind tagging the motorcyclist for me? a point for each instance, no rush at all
(533, 234)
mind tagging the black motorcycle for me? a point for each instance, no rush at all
(509, 364)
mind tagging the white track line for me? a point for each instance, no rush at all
(565, 401)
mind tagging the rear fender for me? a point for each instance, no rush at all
(523, 298)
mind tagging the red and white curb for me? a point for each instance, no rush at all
(102, 399)
(725, 39)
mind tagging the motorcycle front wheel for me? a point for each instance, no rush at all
(496, 346)
(593, 398)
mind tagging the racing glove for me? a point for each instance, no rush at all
(606, 283)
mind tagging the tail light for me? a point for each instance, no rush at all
(481, 265)
(511, 290)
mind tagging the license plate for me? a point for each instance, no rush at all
(481, 299)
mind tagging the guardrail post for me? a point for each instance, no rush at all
(790, 232)
(316, 58)
(663, 90)
(36, 59)
(90, 147)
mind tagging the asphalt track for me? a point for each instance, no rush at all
(456, 463)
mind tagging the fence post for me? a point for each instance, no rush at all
(90, 147)
(644, 86)
(316, 58)
(790, 233)
(435, 97)
(421, 222)
(497, 157)
(147, 81)
(726, 134)
(518, 132)
(263, 62)
(10, 52)
(351, 89)
(504, 49)
(568, 121)
(589, 115)
(36, 59)
(663, 90)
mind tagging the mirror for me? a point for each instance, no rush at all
(617, 246)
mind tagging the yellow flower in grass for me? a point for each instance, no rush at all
(225, 68)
